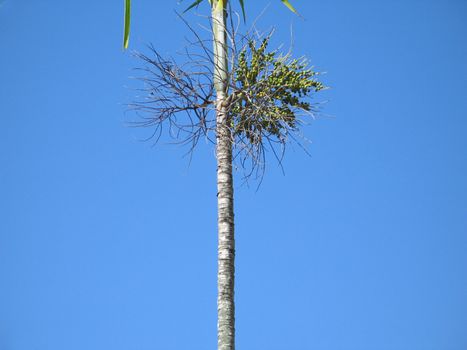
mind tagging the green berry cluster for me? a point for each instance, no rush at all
(269, 90)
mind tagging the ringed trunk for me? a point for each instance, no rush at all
(225, 218)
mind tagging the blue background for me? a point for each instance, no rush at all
(109, 243)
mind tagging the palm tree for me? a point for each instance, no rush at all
(225, 196)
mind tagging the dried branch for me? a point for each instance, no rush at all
(179, 97)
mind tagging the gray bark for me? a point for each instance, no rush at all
(226, 241)
(225, 218)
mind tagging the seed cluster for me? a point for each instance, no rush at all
(269, 91)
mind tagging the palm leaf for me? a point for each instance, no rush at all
(242, 5)
(127, 20)
(126, 31)
(194, 4)
(289, 5)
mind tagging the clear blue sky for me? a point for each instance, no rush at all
(109, 243)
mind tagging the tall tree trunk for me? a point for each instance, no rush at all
(225, 219)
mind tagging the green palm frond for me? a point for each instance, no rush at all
(126, 30)
(289, 6)
(242, 5)
(127, 19)
(196, 3)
